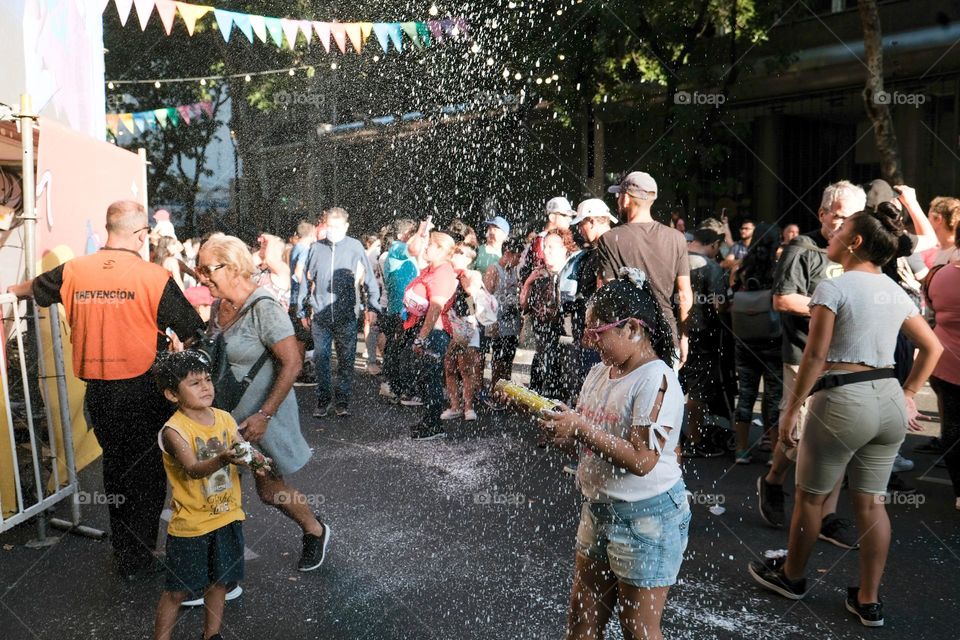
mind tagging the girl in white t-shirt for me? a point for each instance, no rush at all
(635, 517)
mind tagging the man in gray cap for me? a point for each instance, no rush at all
(559, 214)
(661, 252)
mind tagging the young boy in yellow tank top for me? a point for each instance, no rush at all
(204, 538)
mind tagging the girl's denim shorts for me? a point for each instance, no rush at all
(642, 542)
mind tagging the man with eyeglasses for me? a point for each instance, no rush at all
(119, 307)
(560, 214)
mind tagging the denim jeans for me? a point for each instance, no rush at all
(341, 334)
(429, 375)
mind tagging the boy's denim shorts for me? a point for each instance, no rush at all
(642, 542)
(193, 564)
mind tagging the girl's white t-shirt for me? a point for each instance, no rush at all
(617, 405)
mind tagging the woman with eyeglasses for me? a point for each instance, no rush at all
(635, 518)
(252, 320)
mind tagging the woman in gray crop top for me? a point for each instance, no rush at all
(858, 414)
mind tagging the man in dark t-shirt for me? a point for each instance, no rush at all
(661, 252)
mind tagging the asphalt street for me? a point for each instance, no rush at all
(472, 537)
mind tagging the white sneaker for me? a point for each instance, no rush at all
(415, 401)
(232, 594)
(902, 464)
(387, 392)
(470, 416)
(452, 414)
(374, 369)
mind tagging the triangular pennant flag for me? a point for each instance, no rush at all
(275, 29)
(207, 107)
(123, 8)
(355, 35)
(396, 35)
(167, 10)
(382, 31)
(184, 111)
(126, 119)
(306, 29)
(410, 28)
(195, 111)
(339, 33)
(424, 33)
(224, 22)
(290, 29)
(460, 26)
(436, 29)
(144, 9)
(173, 116)
(140, 122)
(323, 32)
(259, 27)
(161, 116)
(191, 13)
(151, 119)
(242, 21)
(365, 29)
(113, 123)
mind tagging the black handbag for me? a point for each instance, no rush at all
(228, 390)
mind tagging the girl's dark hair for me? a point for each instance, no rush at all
(172, 368)
(757, 269)
(880, 230)
(631, 296)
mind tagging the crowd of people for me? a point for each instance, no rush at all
(655, 340)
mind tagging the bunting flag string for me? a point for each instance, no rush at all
(139, 121)
(290, 31)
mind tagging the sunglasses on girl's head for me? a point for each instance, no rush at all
(207, 269)
(594, 332)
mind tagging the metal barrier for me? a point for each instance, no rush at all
(39, 467)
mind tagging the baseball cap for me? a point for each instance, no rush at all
(879, 191)
(638, 184)
(592, 208)
(500, 223)
(559, 205)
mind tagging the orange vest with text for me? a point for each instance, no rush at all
(111, 300)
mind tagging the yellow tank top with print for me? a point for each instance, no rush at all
(202, 505)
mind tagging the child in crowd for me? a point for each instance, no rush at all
(460, 364)
(635, 518)
(204, 538)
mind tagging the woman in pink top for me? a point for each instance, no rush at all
(943, 296)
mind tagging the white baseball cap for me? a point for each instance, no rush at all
(559, 205)
(592, 208)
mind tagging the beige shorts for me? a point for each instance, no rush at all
(855, 427)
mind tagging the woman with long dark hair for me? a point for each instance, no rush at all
(858, 414)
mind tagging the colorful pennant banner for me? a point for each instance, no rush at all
(288, 30)
(139, 121)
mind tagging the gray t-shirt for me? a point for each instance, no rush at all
(870, 309)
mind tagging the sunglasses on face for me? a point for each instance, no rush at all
(593, 333)
(207, 269)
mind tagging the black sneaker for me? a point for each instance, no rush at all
(323, 410)
(424, 432)
(314, 549)
(769, 575)
(870, 614)
(839, 531)
(933, 446)
(897, 485)
(342, 411)
(771, 502)
(702, 449)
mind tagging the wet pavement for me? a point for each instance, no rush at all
(472, 537)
